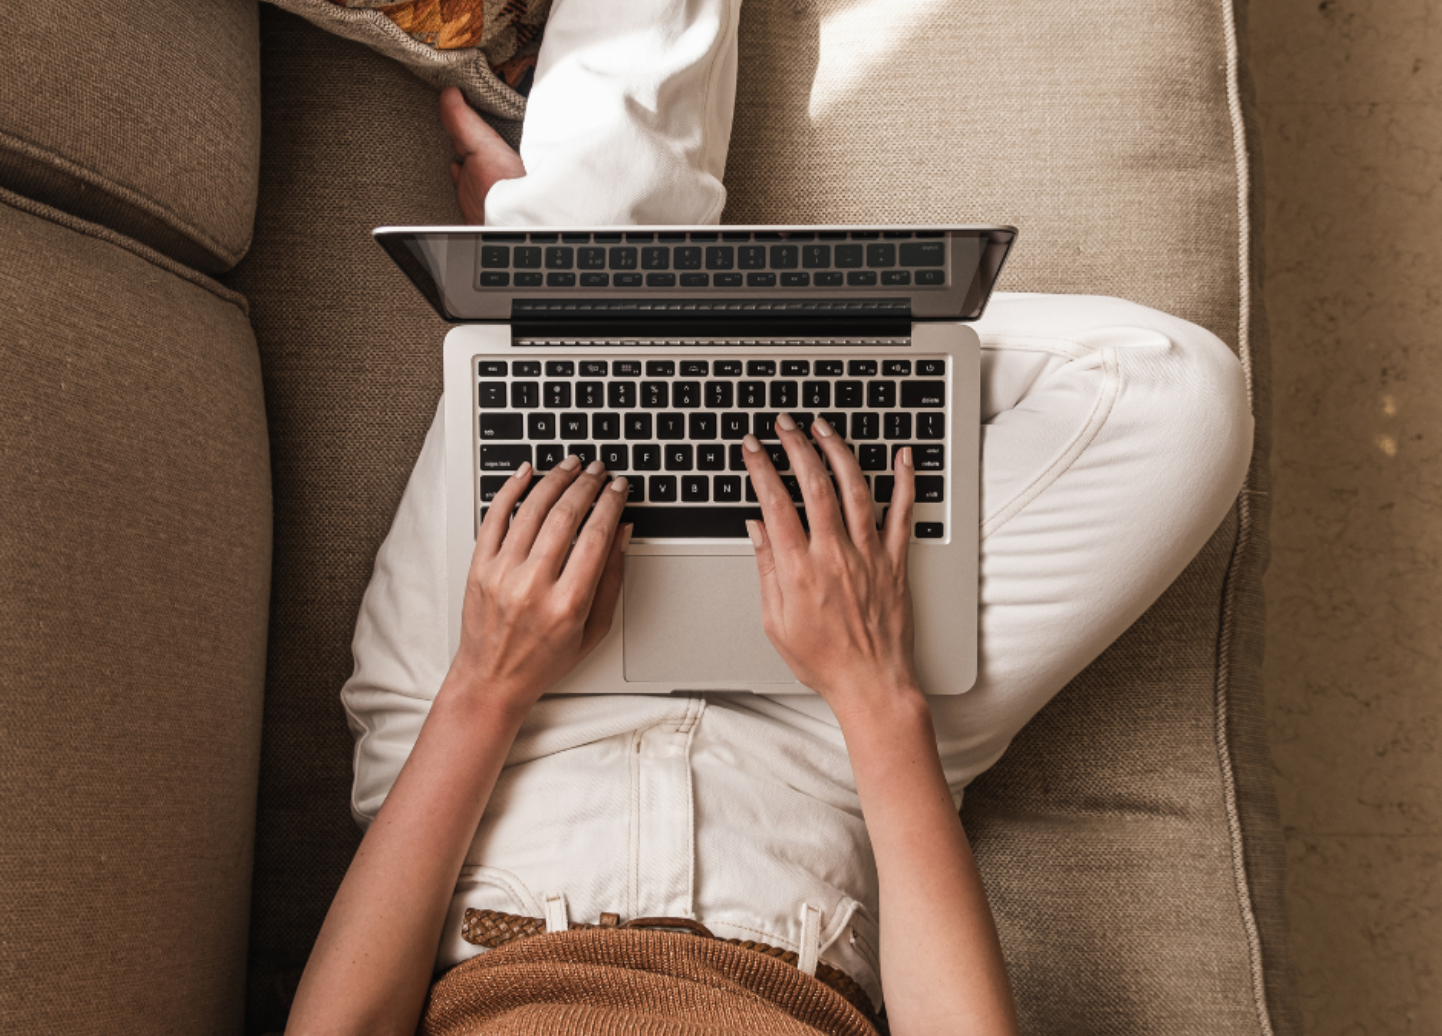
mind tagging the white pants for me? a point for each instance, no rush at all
(1115, 440)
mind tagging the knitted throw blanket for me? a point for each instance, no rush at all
(486, 47)
(647, 983)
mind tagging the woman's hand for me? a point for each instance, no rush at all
(535, 605)
(836, 604)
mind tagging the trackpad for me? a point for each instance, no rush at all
(695, 622)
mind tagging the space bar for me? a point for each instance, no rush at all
(682, 522)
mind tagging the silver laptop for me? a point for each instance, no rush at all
(655, 349)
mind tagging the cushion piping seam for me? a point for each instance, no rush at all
(128, 195)
(1242, 546)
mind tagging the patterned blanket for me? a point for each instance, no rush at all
(486, 47)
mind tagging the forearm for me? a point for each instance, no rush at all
(372, 963)
(941, 963)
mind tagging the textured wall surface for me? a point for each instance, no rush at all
(1350, 102)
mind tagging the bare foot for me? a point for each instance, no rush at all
(484, 158)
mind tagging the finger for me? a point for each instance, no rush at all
(470, 134)
(782, 522)
(558, 531)
(608, 591)
(850, 485)
(766, 569)
(527, 522)
(498, 516)
(593, 545)
(822, 514)
(898, 518)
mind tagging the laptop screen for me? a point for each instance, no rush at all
(678, 273)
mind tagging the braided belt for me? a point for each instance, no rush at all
(492, 928)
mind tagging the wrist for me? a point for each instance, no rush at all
(473, 698)
(867, 711)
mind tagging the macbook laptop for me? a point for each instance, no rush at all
(655, 349)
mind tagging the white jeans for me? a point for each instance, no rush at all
(1115, 440)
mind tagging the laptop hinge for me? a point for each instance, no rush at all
(710, 318)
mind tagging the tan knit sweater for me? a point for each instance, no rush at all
(634, 982)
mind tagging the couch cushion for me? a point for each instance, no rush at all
(134, 574)
(142, 117)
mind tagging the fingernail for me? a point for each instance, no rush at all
(618, 484)
(753, 529)
(906, 456)
(626, 531)
(524, 471)
(595, 468)
(751, 443)
(820, 427)
(571, 463)
(783, 420)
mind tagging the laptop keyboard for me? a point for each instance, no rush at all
(673, 426)
(736, 259)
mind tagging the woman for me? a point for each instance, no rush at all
(824, 829)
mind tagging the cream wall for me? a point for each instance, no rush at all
(1350, 107)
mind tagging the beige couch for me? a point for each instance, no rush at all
(197, 474)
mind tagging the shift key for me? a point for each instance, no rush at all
(495, 457)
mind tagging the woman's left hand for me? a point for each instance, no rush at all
(535, 605)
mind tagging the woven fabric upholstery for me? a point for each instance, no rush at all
(134, 576)
(143, 117)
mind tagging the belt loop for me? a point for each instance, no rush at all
(810, 949)
(556, 917)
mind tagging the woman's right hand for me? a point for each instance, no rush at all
(835, 603)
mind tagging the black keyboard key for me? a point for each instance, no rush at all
(865, 235)
(621, 395)
(607, 239)
(616, 456)
(930, 277)
(595, 280)
(655, 258)
(829, 279)
(895, 277)
(670, 426)
(763, 426)
(591, 258)
(894, 368)
(929, 489)
(635, 490)
(861, 278)
(751, 257)
(779, 460)
(560, 257)
(796, 279)
(728, 491)
(574, 426)
(784, 257)
(605, 426)
(918, 394)
(686, 394)
(688, 258)
(884, 486)
(701, 426)
(751, 394)
(711, 457)
(734, 426)
(499, 236)
(931, 426)
(750, 491)
(560, 369)
(923, 253)
(527, 369)
(896, 426)
(924, 457)
(545, 239)
(849, 256)
(638, 426)
(661, 489)
(881, 395)
(590, 394)
(727, 280)
(864, 425)
(491, 485)
(728, 369)
(930, 368)
(627, 369)
(695, 489)
(495, 257)
(720, 395)
(541, 426)
(493, 368)
(816, 393)
(720, 257)
(929, 530)
(848, 394)
(660, 368)
(529, 280)
(861, 368)
(587, 454)
(803, 420)
(548, 455)
(640, 237)
(502, 426)
(816, 257)
(784, 395)
(695, 280)
(660, 280)
(557, 394)
(628, 280)
(829, 368)
(623, 258)
(655, 394)
(795, 368)
(694, 368)
(761, 368)
(492, 395)
(646, 457)
(737, 457)
(593, 368)
(872, 457)
(679, 457)
(495, 279)
(880, 255)
(760, 280)
(525, 394)
(528, 259)
(508, 457)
